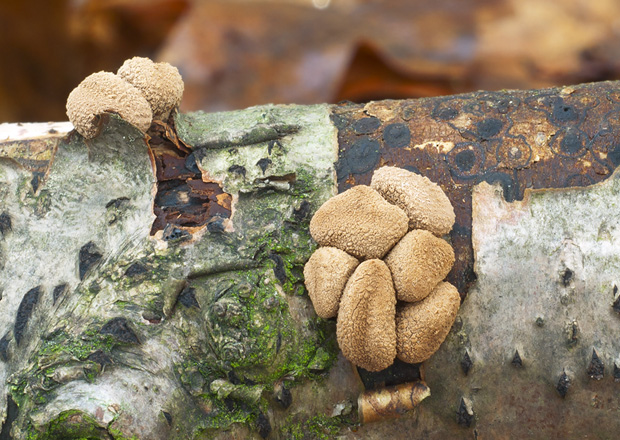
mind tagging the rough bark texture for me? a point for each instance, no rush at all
(170, 304)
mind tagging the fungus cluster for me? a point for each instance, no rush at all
(380, 267)
(139, 92)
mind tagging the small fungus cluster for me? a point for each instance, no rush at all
(139, 92)
(380, 267)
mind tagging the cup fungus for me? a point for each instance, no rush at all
(160, 83)
(326, 274)
(424, 202)
(372, 326)
(140, 91)
(359, 221)
(366, 329)
(418, 262)
(104, 92)
(422, 326)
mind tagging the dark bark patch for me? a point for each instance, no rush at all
(516, 360)
(24, 312)
(616, 304)
(489, 128)
(168, 417)
(596, 369)
(4, 347)
(616, 373)
(100, 357)
(278, 270)
(283, 396)
(188, 298)
(6, 224)
(136, 269)
(216, 225)
(563, 384)
(263, 425)
(237, 169)
(89, 256)
(174, 234)
(36, 180)
(396, 135)
(120, 330)
(264, 163)
(464, 414)
(466, 363)
(59, 290)
(366, 125)
(191, 164)
(300, 214)
(567, 276)
(12, 411)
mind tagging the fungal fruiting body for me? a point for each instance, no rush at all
(360, 222)
(388, 295)
(366, 330)
(142, 90)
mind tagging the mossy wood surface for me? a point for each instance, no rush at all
(170, 304)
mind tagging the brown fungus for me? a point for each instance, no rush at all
(421, 327)
(418, 262)
(326, 274)
(424, 202)
(360, 222)
(160, 83)
(365, 329)
(104, 92)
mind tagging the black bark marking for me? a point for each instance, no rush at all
(89, 256)
(237, 169)
(278, 270)
(117, 203)
(191, 164)
(489, 128)
(12, 411)
(360, 158)
(37, 178)
(302, 212)
(168, 417)
(187, 297)
(59, 290)
(283, 396)
(563, 384)
(464, 415)
(396, 135)
(466, 363)
(567, 276)
(120, 330)
(4, 347)
(100, 357)
(174, 234)
(24, 312)
(6, 224)
(596, 369)
(616, 373)
(216, 224)
(136, 269)
(263, 425)
(264, 163)
(516, 360)
(366, 125)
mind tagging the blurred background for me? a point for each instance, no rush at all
(237, 53)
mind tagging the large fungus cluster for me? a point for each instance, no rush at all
(140, 91)
(380, 267)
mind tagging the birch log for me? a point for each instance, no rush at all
(152, 285)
